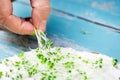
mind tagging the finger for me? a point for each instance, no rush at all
(11, 22)
(18, 25)
(3, 28)
(40, 13)
(5, 8)
(5, 11)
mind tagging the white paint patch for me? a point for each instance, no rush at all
(106, 6)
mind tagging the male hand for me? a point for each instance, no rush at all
(10, 22)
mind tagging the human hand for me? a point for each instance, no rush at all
(10, 22)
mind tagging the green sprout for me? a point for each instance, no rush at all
(51, 65)
(48, 76)
(33, 33)
(43, 41)
(32, 71)
(20, 76)
(1, 74)
(114, 62)
(42, 58)
(99, 63)
(69, 65)
(21, 54)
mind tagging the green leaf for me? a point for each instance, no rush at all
(51, 64)
(33, 33)
(43, 60)
(21, 54)
(114, 62)
(42, 42)
(40, 56)
(32, 71)
(69, 65)
(1, 74)
(42, 34)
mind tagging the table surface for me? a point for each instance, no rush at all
(69, 31)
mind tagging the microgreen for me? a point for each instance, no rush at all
(17, 63)
(19, 76)
(32, 71)
(114, 62)
(69, 65)
(98, 63)
(7, 75)
(51, 64)
(1, 74)
(58, 50)
(11, 70)
(84, 74)
(48, 76)
(21, 54)
(42, 58)
(24, 62)
(13, 78)
(79, 57)
(86, 61)
(58, 58)
(33, 33)
(6, 61)
(42, 42)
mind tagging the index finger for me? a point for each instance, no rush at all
(11, 22)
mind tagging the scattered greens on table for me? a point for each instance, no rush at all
(55, 63)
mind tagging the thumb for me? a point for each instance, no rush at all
(40, 13)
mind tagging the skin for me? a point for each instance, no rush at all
(12, 23)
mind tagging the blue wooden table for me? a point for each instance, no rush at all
(92, 25)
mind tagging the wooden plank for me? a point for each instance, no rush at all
(104, 11)
(85, 34)
(11, 44)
